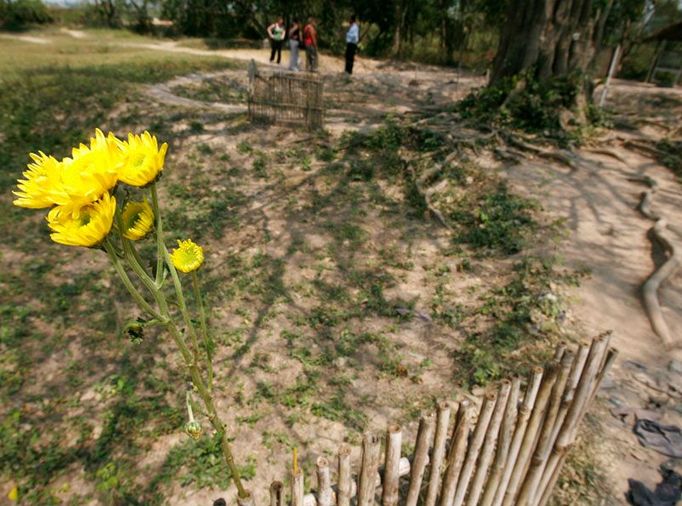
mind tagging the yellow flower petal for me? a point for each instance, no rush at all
(43, 184)
(91, 170)
(85, 226)
(143, 159)
(138, 220)
(13, 494)
(188, 256)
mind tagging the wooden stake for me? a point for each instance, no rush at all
(457, 452)
(442, 421)
(324, 483)
(276, 493)
(531, 432)
(543, 446)
(569, 393)
(297, 489)
(475, 446)
(545, 492)
(575, 409)
(394, 441)
(503, 443)
(368, 470)
(419, 459)
(491, 437)
(519, 431)
(344, 487)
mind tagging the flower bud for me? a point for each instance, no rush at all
(193, 429)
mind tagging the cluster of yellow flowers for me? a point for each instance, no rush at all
(79, 188)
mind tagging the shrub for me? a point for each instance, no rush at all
(16, 14)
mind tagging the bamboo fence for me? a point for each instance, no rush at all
(285, 98)
(510, 453)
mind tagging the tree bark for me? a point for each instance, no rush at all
(548, 38)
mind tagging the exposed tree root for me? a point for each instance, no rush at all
(562, 156)
(664, 271)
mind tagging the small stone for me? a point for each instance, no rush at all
(675, 366)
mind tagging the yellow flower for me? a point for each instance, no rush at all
(13, 494)
(138, 220)
(143, 159)
(91, 170)
(187, 257)
(85, 226)
(75, 181)
(43, 184)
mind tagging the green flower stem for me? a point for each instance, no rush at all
(188, 401)
(166, 318)
(128, 284)
(159, 235)
(191, 364)
(204, 328)
(211, 412)
(181, 301)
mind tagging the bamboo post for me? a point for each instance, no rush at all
(276, 493)
(324, 483)
(503, 443)
(491, 438)
(482, 423)
(442, 421)
(368, 470)
(574, 378)
(344, 486)
(297, 481)
(457, 452)
(531, 431)
(419, 459)
(545, 492)
(519, 431)
(394, 441)
(543, 446)
(580, 397)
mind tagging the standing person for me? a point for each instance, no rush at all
(276, 33)
(310, 42)
(352, 38)
(295, 36)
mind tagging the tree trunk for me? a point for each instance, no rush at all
(548, 38)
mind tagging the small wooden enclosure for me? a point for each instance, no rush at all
(509, 453)
(285, 98)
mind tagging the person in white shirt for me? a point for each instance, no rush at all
(352, 38)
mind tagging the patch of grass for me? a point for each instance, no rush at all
(53, 108)
(227, 91)
(200, 463)
(671, 155)
(526, 312)
(336, 409)
(496, 221)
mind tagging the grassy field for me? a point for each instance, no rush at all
(338, 303)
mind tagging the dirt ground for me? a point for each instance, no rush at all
(598, 203)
